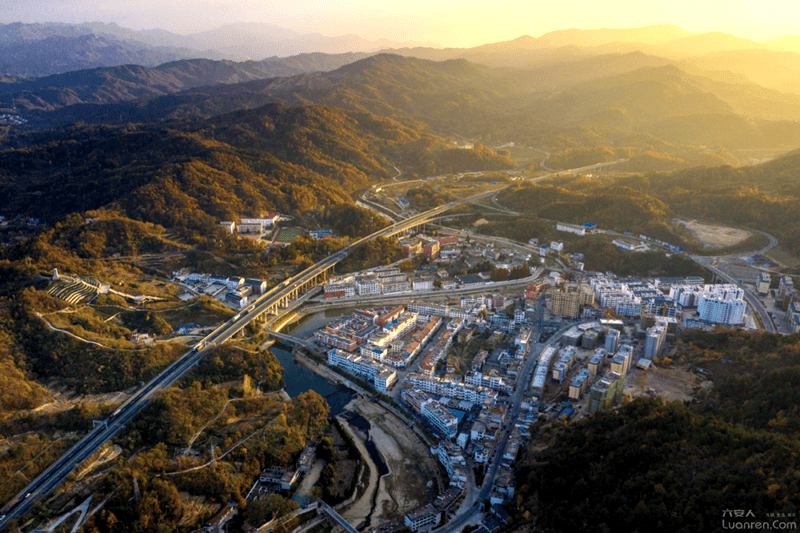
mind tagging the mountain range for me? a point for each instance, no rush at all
(612, 97)
(53, 48)
(36, 50)
(633, 88)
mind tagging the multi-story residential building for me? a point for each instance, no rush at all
(523, 338)
(447, 239)
(425, 517)
(353, 364)
(333, 340)
(596, 361)
(654, 340)
(567, 300)
(440, 418)
(605, 392)
(414, 398)
(367, 285)
(460, 391)
(430, 248)
(452, 458)
(579, 383)
(762, 283)
(422, 284)
(340, 287)
(438, 310)
(380, 376)
(542, 368)
(785, 286)
(621, 362)
(384, 379)
(794, 316)
(482, 451)
(566, 356)
(720, 308)
(396, 287)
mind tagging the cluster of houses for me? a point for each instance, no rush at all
(9, 118)
(232, 290)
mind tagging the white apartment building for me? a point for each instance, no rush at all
(366, 286)
(460, 391)
(384, 379)
(422, 284)
(721, 309)
(442, 419)
(654, 340)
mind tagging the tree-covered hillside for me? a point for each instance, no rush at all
(765, 197)
(657, 468)
(190, 175)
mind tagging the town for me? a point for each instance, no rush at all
(479, 362)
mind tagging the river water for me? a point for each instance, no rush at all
(300, 379)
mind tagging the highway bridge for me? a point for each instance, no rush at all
(271, 303)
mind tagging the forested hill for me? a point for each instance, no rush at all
(195, 173)
(128, 82)
(657, 468)
(764, 196)
(611, 100)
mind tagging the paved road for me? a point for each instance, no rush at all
(322, 304)
(523, 382)
(755, 302)
(57, 472)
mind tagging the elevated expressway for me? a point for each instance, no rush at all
(273, 302)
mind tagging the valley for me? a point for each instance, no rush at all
(551, 281)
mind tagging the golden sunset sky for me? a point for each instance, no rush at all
(448, 23)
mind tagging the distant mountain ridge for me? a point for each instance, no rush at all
(59, 54)
(129, 82)
(615, 95)
(35, 50)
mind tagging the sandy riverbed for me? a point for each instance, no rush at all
(411, 467)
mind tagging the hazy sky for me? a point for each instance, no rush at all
(448, 22)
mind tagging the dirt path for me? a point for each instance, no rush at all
(311, 478)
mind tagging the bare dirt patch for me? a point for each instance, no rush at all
(713, 236)
(670, 383)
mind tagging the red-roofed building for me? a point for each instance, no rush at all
(450, 239)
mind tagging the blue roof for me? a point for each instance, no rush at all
(590, 225)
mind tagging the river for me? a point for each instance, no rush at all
(300, 379)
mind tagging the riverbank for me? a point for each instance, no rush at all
(359, 511)
(412, 472)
